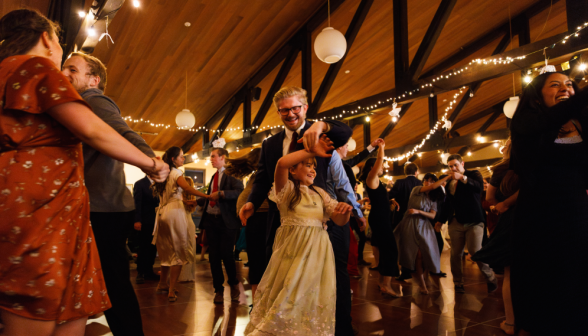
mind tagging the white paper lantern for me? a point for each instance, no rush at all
(330, 45)
(444, 157)
(511, 106)
(351, 145)
(185, 119)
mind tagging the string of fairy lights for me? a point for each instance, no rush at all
(381, 104)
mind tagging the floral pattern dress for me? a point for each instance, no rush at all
(298, 291)
(49, 265)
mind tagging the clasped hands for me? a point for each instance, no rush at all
(159, 172)
(315, 141)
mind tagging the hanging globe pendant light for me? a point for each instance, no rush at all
(511, 106)
(185, 119)
(330, 45)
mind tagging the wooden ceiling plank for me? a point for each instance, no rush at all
(392, 124)
(485, 39)
(350, 35)
(430, 39)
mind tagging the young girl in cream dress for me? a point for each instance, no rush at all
(297, 293)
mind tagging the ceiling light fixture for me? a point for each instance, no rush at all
(330, 45)
(185, 119)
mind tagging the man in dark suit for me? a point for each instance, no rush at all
(401, 193)
(222, 225)
(292, 105)
(466, 219)
(145, 204)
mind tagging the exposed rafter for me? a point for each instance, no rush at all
(392, 124)
(430, 39)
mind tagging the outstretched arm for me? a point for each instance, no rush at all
(373, 179)
(435, 185)
(184, 185)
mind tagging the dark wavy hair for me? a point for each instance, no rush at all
(367, 167)
(21, 29)
(244, 165)
(532, 98)
(436, 194)
(297, 196)
(170, 153)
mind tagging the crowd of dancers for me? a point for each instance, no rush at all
(62, 152)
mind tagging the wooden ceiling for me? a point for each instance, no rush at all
(228, 41)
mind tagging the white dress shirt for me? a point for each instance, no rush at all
(288, 139)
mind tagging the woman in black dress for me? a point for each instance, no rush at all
(379, 220)
(551, 217)
(501, 196)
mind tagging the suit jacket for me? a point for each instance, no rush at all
(401, 192)
(145, 204)
(232, 188)
(465, 205)
(354, 161)
(271, 152)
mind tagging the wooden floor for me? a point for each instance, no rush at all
(440, 313)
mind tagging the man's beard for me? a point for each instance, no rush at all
(81, 88)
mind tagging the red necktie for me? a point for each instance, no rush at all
(293, 143)
(214, 188)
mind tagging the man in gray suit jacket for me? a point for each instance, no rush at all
(222, 225)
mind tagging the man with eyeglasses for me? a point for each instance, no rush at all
(298, 134)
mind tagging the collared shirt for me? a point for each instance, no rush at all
(105, 176)
(288, 138)
(215, 210)
(338, 186)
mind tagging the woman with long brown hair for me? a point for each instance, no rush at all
(551, 222)
(50, 274)
(173, 234)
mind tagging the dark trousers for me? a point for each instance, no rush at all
(220, 250)
(362, 238)
(255, 235)
(147, 251)
(111, 230)
(339, 236)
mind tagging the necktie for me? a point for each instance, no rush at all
(214, 188)
(293, 143)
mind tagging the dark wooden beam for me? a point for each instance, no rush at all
(465, 140)
(430, 39)
(229, 116)
(576, 12)
(350, 35)
(401, 58)
(392, 124)
(490, 121)
(276, 85)
(306, 57)
(247, 111)
(433, 114)
(477, 116)
(367, 134)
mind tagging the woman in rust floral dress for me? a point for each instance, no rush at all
(50, 273)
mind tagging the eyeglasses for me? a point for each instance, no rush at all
(294, 109)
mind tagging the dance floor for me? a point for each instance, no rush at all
(442, 312)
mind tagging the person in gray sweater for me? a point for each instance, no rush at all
(111, 203)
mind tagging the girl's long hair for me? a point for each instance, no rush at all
(510, 182)
(297, 196)
(170, 153)
(189, 197)
(241, 167)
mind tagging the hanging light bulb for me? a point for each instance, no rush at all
(330, 45)
(82, 14)
(394, 119)
(528, 79)
(496, 144)
(469, 153)
(92, 31)
(582, 66)
(136, 3)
